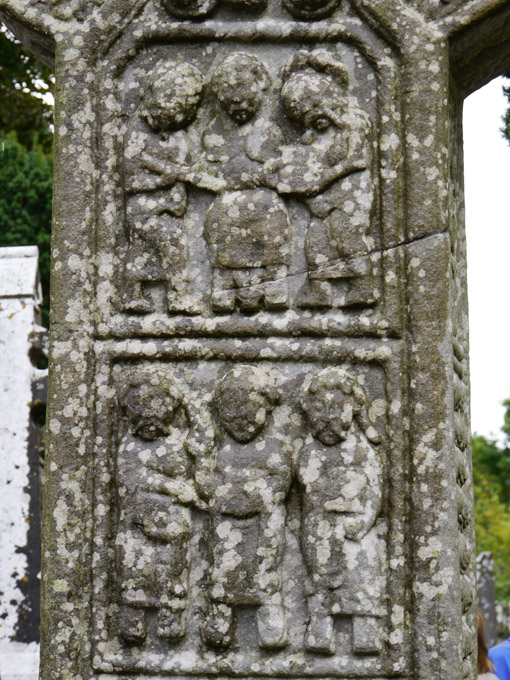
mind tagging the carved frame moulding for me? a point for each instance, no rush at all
(258, 458)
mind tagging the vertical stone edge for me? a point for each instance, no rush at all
(436, 587)
(461, 389)
(67, 514)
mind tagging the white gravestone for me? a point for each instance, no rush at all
(20, 300)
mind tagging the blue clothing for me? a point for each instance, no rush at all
(500, 657)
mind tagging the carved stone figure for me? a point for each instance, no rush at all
(155, 492)
(338, 143)
(157, 202)
(247, 229)
(247, 492)
(341, 476)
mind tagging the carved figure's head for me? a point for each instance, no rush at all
(239, 83)
(150, 400)
(173, 96)
(314, 89)
(332, 402)
(244, 398)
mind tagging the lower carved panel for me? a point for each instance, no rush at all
(247, 513)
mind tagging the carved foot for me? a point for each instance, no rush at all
(183, 305)
(171, 624)
(272, 631)
(132, 624)
(276, 294)
(223, 301)
(135, 302)
(320, 635)
(314, 295)
(249, 299)
(365, 635)
(218, 630)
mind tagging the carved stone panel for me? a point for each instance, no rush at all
(248, 183)
(250, 518)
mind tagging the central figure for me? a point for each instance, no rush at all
(248, 488)
(247, 226)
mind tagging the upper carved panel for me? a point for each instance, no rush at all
(248, 183)
(240, 158)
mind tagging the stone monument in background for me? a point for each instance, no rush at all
(487, 596)
(22, 403)
(258, 456)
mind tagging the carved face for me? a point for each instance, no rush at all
(173, 97)
(150, 411)
(330, 415)
(313, 101)
(243, 415)
(239, 83)
(244, 400)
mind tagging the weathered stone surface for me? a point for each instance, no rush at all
(22, 400)
(487, 596)
(259, 458)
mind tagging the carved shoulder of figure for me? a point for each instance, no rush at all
(308, 466)
(361, 135)
(214, 140)
(264, 143)
(201, 444)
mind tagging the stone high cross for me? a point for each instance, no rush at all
(258, 457)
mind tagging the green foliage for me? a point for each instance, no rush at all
(25, 203)
(493, 461)
(491, 478)
(24, 81)
(26, 141)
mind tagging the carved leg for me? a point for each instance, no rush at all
(177, 284)
(223, 298)
(365, 635)
(320, 634)
(171, 623)
(218, 630)
(132, 624)
(135, 300)
(250, 299)
(271, 624)
(276, 290)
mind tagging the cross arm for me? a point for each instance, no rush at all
(33, 27)
(40, 24)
